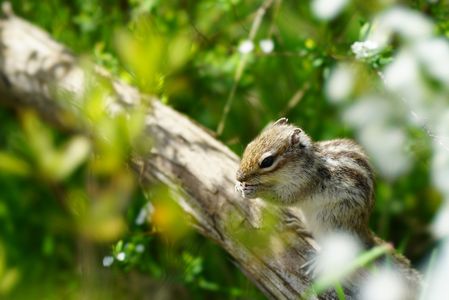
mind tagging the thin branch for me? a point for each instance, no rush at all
(242, 64)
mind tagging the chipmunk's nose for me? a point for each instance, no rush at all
(240, 176)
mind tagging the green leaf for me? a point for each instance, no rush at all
(72, 156)
(8, 280)
(13, 165)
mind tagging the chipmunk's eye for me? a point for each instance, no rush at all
(267, 162)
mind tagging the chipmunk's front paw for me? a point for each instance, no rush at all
(292, 222)
(310, 267)
(246, 190)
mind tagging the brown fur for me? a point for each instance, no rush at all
(331, 180)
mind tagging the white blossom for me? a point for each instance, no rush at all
(385, 144)
(440, 226)
(440, 168)
(403, 73)
(434, 54)
(328, 9)
(337, 251)
(403, 77)
(121, 256)
(367, 110)
(409, 24)
(246, 46)
(365, 49)
(437, 287)
(340, 82)
(144, 214)
(266, 45)
(371, 116)
(440, 158)
(140, 248)
(108, 261)
(385, 283)
(114, 109)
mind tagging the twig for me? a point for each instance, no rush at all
(295, 99)
(276, 8)
(242, 64)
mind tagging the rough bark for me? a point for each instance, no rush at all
(37, 72)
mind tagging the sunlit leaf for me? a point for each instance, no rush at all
(11, 164)
(150, 55)
(40, 141)
(74, 153)
(178, 51)
(261, 238)
(102, 222)
(8, 276)
(9, 280)
(168, 219)
(142, 55)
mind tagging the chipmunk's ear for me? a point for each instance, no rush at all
(295, 138)
(281, 121)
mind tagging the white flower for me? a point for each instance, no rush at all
(337, 251)
(409, 24)
(434, 54)
(440, 168)
(403, 77)
(108, 261)
(114, 109)
(385, 145)
(440, 226)
(437, 278)
(266, 45)
(121, 256)
(246, 46)
(385, 283)
(365, 49)
(144, 214)
(371, 116)
(140, 248)
(403, 73)
(340, 82)
(328, 9)
(367, 110)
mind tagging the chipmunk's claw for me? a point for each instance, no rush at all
(310, 267)
(247, 191)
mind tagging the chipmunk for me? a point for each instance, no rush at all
(331, 181)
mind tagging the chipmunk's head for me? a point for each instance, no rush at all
(274, 163)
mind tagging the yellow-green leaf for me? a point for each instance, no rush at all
(72, 156)
(13, 165)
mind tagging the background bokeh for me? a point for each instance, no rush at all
(83, 228)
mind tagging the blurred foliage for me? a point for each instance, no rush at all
(74, 223)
